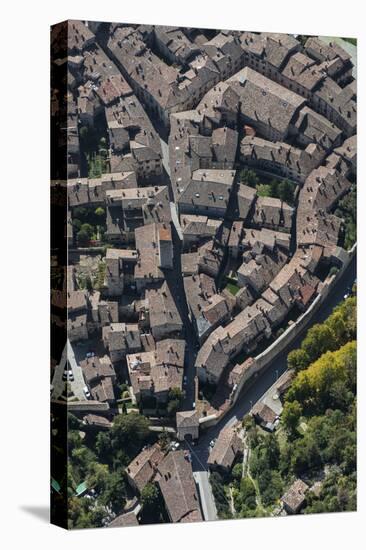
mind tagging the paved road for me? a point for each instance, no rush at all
(77, 384)
(174, 279)
(165, 152)
(57, 382)
(175, 220)
(264, 381)
(206, 497)
(202, 479)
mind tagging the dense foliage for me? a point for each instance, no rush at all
(347, 209)
(219, 492)
(280, 189)
(339, 328)
(94, 145)
(328, 383)
(316, 440)
(88, 224)
(99, 461)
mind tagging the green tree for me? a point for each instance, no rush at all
(305, 456)
(272, 450)
(218, 490)
(319, 387)
(286, 191)
(249, 177)
(273, 188)
(129, 432)
(246, 498)
(81, 457)
(338, 325)
(97, 476)
(271, 488)
(88, 284)
(85, 233)
(298, 359)
(100, 212)
(248, 422)
(76, 223)
(175, 399)
(318, 340)
(73, 422)
(149, 495)
(83, 238)
(103, 446)
(114, 494)
(173, 407)
(164, 439)
(237, 472)
(87, 228)
(79, 515)
(80, 212)
(290, 416)
(176, 393)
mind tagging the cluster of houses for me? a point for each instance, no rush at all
(227, 100)
(276, 102)
(171, 472)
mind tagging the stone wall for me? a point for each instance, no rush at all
(262, 360)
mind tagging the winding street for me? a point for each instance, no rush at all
(253, 393)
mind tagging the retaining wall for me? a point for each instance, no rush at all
(261, 361)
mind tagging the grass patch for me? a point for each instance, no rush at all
(232, 285)
(233, 288)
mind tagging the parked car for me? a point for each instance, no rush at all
(68, 375)
(212, 443)
(90, 354)
(86, 392)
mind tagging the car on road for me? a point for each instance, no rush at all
(86, 392)
(184, 380)
(68, 375)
